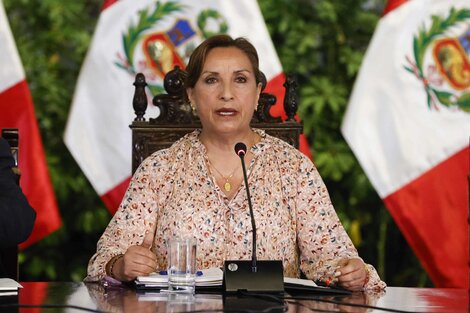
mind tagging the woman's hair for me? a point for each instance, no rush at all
(199, 55)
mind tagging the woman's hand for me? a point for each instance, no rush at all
(352, 274)
(137, 261)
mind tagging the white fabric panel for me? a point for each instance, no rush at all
(11, 71)
(388, 124)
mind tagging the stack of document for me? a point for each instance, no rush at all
(205, 278)
(9, 287)
(212, 278)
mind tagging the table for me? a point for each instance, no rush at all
(67, 296)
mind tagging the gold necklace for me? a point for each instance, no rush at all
(227, 185)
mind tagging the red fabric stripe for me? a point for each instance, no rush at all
(112, 199)
(459, 302)
(108, 3)
(392, 5)
(18, 112)
(33, 293)
(275, 87)
(432, 213)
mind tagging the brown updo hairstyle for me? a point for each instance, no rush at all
(199, 55)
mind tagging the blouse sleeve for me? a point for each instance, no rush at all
(321, 237)
(135, 217)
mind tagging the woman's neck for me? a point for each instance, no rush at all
(222, 161)
(224, 144)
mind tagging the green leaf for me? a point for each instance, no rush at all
(352, 59)
(444, 97)
(464, 102)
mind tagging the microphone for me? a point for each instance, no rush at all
(252, 276)
(240, 149)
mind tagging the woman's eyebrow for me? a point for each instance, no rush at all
(242, 70)
(209, 72)
(217, 73)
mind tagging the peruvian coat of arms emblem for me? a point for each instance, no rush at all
(154, 51)
(441, 60)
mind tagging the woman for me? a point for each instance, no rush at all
(195, 188)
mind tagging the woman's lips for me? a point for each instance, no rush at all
(226, 112)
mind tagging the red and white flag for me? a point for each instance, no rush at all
(148, 36)
(17, 111)
(408, 123)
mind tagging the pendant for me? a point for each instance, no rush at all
(227, 186)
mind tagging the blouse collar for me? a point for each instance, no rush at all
(255, 149)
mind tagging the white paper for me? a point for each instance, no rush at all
(210, 277)
(9, 287)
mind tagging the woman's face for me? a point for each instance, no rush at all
(226, 93)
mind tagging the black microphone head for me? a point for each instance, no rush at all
(240, 149)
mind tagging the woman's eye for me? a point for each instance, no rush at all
(240, 79)
(210, 80)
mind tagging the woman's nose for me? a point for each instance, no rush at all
(226, 94)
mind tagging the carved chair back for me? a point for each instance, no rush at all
(176, 117)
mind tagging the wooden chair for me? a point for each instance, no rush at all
(9, 256)
(177, 119)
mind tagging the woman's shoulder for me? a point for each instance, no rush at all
(285, 156)
(281, 148)
(177, 150)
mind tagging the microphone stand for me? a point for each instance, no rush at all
(253, 225)
(252, 276)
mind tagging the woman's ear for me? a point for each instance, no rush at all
(189, 93)
(192, 104)
(258, 91)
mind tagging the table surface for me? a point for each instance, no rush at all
(68, 296)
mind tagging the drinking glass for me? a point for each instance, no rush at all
(182, 265)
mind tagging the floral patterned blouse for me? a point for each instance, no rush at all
(173, 193)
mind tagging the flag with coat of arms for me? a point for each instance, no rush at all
(148, 37)
(408, 123)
